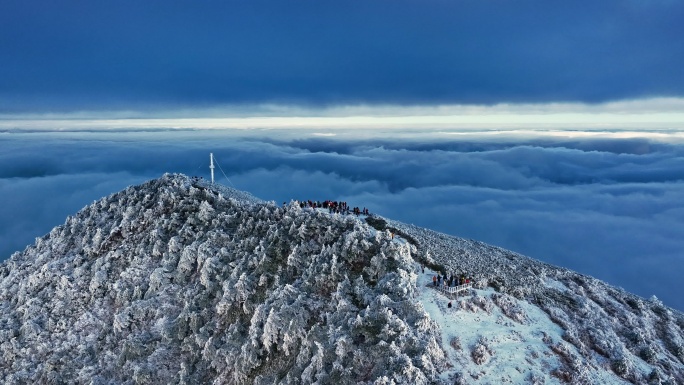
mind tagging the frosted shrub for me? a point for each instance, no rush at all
(621, 366)
(455, 343)
(510, 307)
(480, 354)
(484, 303)
(648, 354)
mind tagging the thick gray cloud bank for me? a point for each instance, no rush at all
(118, 55)
(610, 208)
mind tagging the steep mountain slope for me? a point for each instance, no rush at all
(178, 281)
(173, 281)
(603, 329)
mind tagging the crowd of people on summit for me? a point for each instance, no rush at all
(451, 280)
(334, 207)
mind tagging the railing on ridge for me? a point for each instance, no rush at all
(453, 289)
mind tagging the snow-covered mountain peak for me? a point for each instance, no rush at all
(181, 281)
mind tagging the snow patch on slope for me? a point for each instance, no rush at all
(485, 346)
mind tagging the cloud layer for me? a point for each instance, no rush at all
(610, 208)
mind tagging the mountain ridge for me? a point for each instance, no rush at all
(178, 280)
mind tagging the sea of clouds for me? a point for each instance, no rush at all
(605, 206)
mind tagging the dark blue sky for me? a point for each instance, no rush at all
(151, 55)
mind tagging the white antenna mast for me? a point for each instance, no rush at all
(211, 166)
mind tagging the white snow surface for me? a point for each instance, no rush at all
(516, 350)
(181, 281)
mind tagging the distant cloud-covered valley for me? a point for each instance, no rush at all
(606, 207)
